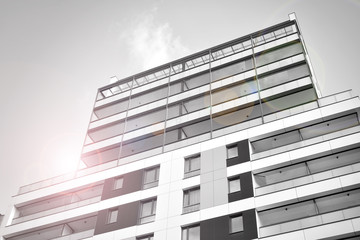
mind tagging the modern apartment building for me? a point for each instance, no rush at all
(233, 142)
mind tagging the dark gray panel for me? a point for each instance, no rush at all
(127, 217)
(132, 183)
(218, 228)
(250, 227)
(246, 188)
(243, 154)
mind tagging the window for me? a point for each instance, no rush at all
(192, 166)
(191, 233)
(147, 211)
(232, 151)
(112, 215)
(151, 177)
(118, 183)
(236, 224)
(234, 184)
(191, 200)
(147, 237)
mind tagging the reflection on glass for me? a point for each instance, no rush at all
(232, 69)
(189, 83)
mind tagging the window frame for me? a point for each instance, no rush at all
(192, 172)
(232, 147)
(109, 219)
(186, 229)
(186, 204)
(115, 183)
(153, 202)
(234, 178)
(155, 182)
(146, 237)
(231, 231)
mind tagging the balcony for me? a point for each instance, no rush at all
(75, 229)
(59, 203)
(333, 103)
(311, 213)
(308, 172)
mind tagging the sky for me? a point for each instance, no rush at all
(55, 54)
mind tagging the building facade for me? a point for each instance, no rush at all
(233, 142)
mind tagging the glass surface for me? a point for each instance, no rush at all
(112, 217)
(236, 224)
(338, 201)
(189, 83)
(278, 53)
(146, 209)
(150, 176)
(101, 156)
(191, 233)
(282, 174)
(283, 76)
(188, 106)
(288, 101)
(232, 152)
(235, 91)
(113, 108)
(106, 131)
(234, 185)
(191, 200)
(144, 98)
(287, 213)
(145, 119)
(194, 233)
(187, 131)
(239, 115)
(192, 164)
(232, 69)
(118, 183)
(143, 144)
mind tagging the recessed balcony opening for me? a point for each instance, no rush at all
(80, 228)
(60, 202)
(305, 133)
(310, 213)
(314, 170)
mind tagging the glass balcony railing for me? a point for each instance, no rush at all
(315, 212)
(326, 101)
(199, 59)
(307, 172)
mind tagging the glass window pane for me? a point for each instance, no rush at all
(194, 233)
(112, 216)
(184, 234)
(118, 183)
(187, 165)
(236, 224)
(146, 209)
(278, 54)
(194, 197)
(232, 152)
(195, 163)
(150, 176)
(230, 70)
(234, 185)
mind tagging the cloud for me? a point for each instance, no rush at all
(151, 43)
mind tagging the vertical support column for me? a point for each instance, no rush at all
(125, 122)
(211, 102)
(167, 109)
(256, 78)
